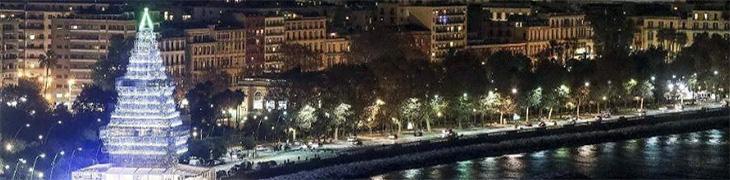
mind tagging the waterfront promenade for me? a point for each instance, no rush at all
(300, 158)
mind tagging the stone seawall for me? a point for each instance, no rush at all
(370, 161)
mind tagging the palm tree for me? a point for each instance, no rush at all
(47, 61)
(680, 39)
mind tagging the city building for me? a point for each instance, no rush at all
(173, 51)
(79, 41)
(27, 36)
(274, 37)
(334, 51)
(255, 49)
(673, 32)
(518, 29)
(213, 51)
(447, 24)
(312, 33)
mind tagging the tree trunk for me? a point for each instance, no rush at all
(501, 117)
(550, 114)
(428, 124)
(337, 130)
(577, 110)
(527, 114)
(641, 107)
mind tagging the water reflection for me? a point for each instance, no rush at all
(693, 155)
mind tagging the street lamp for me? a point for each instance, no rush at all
(21, 160)
(73, 154)
(587, 84)
(379, 102)
(715, 72)
(514, 90)
(8, 147)
(42, 155)
(53, 164)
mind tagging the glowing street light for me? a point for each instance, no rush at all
(8, 147)
(587, 84)
(53, 164)
(42, 155)
(21, 160)
(514, 90)
(715, 72)
(379, 102)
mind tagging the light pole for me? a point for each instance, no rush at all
(53, 163)
(42, 155)
(604, 98)
(21, 160)
(73, 154)
(48, 133)
(255, 141)
(27, 125)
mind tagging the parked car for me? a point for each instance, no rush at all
(448, 133)
(418, 133)
(314, 145)
(352, 139)
(393, 136)
(263, 148)
(357, 142)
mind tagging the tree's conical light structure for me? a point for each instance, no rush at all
(145, 129)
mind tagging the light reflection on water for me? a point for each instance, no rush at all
(702, 154)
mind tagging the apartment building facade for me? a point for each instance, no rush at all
(446, 23)
(548, 35)
(712, 22)
(214, 51)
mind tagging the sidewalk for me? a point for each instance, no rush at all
(341, 146)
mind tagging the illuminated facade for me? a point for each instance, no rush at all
(145, 135)
(261, 95)
(684, 30)
(447, 24)
(79, 41)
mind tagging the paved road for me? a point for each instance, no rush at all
(330, 150)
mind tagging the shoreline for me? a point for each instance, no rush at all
(419, 154)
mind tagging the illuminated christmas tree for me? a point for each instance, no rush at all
(145, 135)
(145, 129)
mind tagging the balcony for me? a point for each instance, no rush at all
(89, 50)
(89, 40)
(82, 60)
(83, 70)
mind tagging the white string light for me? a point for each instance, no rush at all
(145, 130)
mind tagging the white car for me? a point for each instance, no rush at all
(262, 148)
(448, 133)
